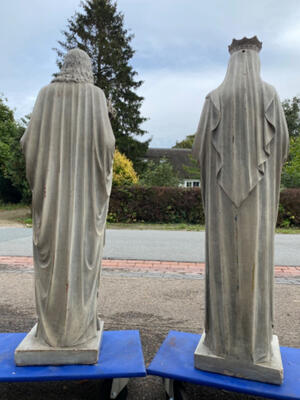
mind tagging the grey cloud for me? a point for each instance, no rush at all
(181, 52)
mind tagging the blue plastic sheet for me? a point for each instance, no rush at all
(175, 360)
(121, 356)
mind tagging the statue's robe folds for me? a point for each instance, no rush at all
(241, 144)
(68, 147)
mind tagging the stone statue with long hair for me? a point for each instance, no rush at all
(68, 148)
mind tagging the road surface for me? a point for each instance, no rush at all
(149, 245)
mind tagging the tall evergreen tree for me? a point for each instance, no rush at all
(99, 30)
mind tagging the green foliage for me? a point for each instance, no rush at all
(155, 204)
(8, 193)
(291, 172)
(181, 205)
(289, 208)
(292, 114)
(123, 171)
(186, 143)
(98, 29)
(192, 170)
(177, 226)
(285, 217)
(13, 183)
(7, 206)
(159, 174)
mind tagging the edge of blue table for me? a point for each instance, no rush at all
(175, 361)
(121, 356)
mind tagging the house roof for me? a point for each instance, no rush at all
(178, 158)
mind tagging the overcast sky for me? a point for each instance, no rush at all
(181, 52)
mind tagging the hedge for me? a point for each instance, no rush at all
(289, 208)
(155, 204)
(173, 205)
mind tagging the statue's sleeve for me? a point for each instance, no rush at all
(209, 120)
(284, 132)
(203, 128)
(30, 140)
(276, 117)
(105, 142)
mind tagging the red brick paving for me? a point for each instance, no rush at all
(159, 266)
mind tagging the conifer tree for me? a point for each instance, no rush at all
(98, 29)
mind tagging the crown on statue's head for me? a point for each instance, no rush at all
(245, 43)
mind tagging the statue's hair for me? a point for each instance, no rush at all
(77, 67)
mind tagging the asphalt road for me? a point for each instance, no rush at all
(149, 245)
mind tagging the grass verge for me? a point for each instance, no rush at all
(180, 227)
(164, 227)
(21, 213)
(13, 206)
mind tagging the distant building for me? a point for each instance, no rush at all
(181, 161)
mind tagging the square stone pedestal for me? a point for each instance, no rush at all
(34, 351)
(271, 372)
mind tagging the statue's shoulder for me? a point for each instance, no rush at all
(269, 90)
(46, 88)
(270, 96)
(213, 94)
(44, 91)
(214, 98)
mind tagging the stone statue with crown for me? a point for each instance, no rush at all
(241, 144)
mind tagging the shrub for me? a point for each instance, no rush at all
(123, 171)
(159, 174)
(289, 208)
(13, 183)
(291, 171)
(156, 204)
(176, 204)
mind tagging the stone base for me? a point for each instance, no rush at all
(34, 351)
(271, 372)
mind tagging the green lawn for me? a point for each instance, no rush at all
(165, 227)
(179, 227)
(288, 230)
(12, 206)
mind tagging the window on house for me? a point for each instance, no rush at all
(191, 183)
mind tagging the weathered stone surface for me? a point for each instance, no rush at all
(241, 145)
(68, 148)
(271, 371)
(35, 351)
